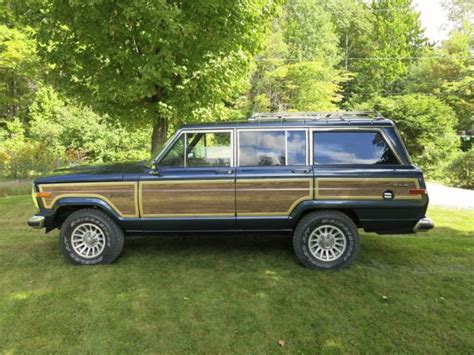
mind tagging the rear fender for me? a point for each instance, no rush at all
(370, 215)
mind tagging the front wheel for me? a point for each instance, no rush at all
(326, 240)
(89, 237)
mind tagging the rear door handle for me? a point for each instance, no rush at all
(301, 171)
(224, 172)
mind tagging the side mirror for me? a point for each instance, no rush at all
(154, 168)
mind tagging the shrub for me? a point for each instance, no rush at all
(81, 134)
(20, 158)
(462, 170)
(60, 133)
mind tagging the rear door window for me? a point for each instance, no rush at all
(276, 147)
(352, 148)
(261, 148)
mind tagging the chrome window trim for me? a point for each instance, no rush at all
(309, 139)
(365, 129)
(283, 128)
(410, 161)
(185, 131)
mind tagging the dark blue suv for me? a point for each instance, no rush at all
(320, 176)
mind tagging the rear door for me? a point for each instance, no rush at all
(194, 188)
(273, 176)
(359, 169)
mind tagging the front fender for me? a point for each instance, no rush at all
(86, 202)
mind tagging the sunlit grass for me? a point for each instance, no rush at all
(238, 293)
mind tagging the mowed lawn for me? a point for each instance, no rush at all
(238, 293)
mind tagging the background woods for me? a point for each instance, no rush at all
(99, 81)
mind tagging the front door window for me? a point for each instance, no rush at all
(208, 149)
(200, 149)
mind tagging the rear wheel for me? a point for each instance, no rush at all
(326, 240)
(89, 237)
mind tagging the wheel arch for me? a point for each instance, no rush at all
(313, 206)
(65, 206)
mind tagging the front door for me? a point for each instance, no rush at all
(194, 187)
(273, 176)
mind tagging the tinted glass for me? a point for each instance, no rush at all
(296, 148)
(262, 148)
(352, 148)
(175, 156)
(208, 149)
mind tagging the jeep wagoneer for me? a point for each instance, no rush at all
(320, 176)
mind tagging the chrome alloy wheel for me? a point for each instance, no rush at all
(327, 243)
(88, 240)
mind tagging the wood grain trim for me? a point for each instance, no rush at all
(122, 197)
(271, 197)
(365, 188)
(187, 198)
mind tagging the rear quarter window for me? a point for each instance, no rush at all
(352, 148)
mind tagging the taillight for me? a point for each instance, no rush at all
(417, 192)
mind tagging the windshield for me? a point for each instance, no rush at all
(160, 150)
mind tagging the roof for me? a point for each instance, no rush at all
(298, 119)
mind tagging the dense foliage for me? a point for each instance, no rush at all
(427, 127)
(462, 170)
(60, 133)
(382, 57)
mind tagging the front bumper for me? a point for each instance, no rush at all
(423, 224)
(36, 222)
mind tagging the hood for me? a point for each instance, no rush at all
(93, 173)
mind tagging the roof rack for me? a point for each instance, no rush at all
(341, 115)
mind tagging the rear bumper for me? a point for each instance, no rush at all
(36, 222)
(423, 224)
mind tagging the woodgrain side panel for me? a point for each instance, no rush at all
(187, 198)
(121, 196)
(266, 197)
(365, 188)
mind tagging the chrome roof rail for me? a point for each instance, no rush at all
(287, 116)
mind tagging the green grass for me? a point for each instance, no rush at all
(241, 293)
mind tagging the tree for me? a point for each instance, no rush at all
(310, 33)
(352, 21)
(460, 11)
(155, 62)
(18, 68)
(381, 58)
(296, 72)
(447, 73)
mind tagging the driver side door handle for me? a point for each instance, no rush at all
(224, 172)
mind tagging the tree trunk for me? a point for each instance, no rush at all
(158, 136)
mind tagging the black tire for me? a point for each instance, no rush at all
(338, 223)
(112, 237)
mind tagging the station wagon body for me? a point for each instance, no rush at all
(271, 173)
